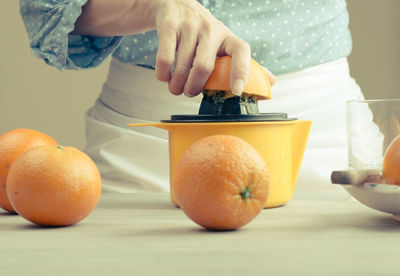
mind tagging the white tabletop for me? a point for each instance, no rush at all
(319, 233)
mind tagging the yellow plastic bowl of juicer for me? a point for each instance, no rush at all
(280, 142)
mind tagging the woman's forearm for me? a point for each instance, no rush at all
(115, 18)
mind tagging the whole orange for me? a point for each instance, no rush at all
(391, 163)
(12, 144)
(54, 185)
(221, 182)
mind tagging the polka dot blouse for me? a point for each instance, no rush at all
(284, 35)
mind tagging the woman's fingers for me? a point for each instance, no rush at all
(165, 58)
(184, 60)
(240, 66)
(203, 65)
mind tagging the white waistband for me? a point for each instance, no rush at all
(136, 92)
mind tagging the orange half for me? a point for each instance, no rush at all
(258, 84)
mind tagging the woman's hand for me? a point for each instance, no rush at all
(190, 30)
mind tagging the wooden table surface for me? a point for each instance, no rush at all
(319, 233)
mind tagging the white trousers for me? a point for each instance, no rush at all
(136, 159)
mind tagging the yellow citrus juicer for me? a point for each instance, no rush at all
(280, 140)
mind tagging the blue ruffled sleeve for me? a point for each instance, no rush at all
(49, 23)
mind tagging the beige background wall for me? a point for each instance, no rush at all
(375, 60)
(37, 96)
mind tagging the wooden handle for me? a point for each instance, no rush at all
(354, 177)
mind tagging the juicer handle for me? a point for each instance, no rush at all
(159, 125)
(356, 177)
